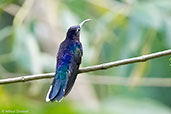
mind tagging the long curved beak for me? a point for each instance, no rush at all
(84, 22)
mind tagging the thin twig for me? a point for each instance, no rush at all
(90, 68)
(125, 61)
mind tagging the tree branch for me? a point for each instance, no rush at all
(90, 68)
(125, 61)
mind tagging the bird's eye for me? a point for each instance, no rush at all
(78, 29)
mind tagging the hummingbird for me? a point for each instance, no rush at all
(68, 61)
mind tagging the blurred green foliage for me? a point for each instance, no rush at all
(120, 29)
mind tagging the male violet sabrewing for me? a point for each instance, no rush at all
(68, 62)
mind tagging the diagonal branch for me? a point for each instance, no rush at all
(90, 68)
(125, 61)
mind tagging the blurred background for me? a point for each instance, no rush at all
(31, 31)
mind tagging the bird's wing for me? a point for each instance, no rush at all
(74, 67)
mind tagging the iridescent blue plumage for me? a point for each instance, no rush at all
(68, 62)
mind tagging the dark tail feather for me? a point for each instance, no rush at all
(70, 84)
(56, 90)
(60, 93)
